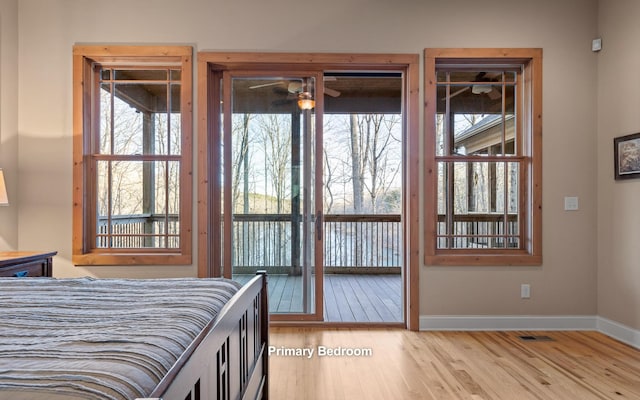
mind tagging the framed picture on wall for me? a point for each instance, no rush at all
(626, 156)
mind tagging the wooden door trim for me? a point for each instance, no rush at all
(209, 61)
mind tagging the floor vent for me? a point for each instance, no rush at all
(529, 338)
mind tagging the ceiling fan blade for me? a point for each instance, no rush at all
(267, 85)
(331, 92)
(494, 94)
(295, 87)
(457, 92)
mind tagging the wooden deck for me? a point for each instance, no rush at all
(347, 298)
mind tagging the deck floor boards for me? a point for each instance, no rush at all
(347, 297)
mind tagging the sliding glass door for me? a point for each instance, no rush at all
(270, 201)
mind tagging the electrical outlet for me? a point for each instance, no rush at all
(525, 291)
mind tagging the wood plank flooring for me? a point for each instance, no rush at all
(453, 365)
(347, 298)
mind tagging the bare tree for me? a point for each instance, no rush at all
(337, 163)
(382, 169)
(327, 182)
(241, 163)
(359, 153)
(119, 181)
(374, 166)
(276, 141)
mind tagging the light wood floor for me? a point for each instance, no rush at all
(453, 365)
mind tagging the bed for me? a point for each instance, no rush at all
(127, 339)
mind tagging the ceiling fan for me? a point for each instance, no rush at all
(483, 86)
(294, 88)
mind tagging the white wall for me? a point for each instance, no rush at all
(618, 201)
(564, 285)
(566, 282)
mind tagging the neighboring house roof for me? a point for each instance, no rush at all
(485, 133)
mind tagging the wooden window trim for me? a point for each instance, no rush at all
(531, 110)
(83, 252)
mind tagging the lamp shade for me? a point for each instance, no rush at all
(305, 101)
(4, 200)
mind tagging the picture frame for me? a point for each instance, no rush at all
(626, 156)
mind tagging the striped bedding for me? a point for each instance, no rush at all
(98, 338)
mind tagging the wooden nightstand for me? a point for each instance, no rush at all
(26, 263)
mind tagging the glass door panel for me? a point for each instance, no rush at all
(363, 163)
(270, 180)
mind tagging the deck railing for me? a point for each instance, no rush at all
(363, 243)
(353, 243)
(478, 231)
(139, 231)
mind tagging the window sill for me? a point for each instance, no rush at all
(475, 259)
(90, 259)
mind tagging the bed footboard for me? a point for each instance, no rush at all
(228, 360)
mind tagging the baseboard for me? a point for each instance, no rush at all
(606, 326)
(619, 332)
(507, 323)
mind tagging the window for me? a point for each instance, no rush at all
(483, 156)
(132, 155)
